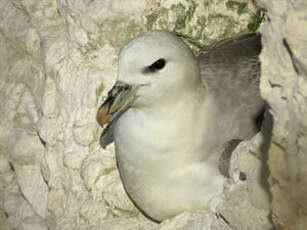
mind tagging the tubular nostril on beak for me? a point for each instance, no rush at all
(119, 99)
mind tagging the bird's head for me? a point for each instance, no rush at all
(153, 67)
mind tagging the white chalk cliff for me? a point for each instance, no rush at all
(58, 59)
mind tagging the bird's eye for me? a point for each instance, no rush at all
(157, 65)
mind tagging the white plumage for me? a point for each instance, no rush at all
(178, 115)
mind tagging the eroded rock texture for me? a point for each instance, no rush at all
(58, 59)
(284, 86)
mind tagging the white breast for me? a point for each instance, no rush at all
(164, 165)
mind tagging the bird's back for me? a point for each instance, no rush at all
(230, 71)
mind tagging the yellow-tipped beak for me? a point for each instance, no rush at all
(120, 97)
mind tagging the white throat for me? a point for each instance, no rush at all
(162, 170)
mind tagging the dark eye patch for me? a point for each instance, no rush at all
(157, 65)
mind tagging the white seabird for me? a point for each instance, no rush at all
(171, 114)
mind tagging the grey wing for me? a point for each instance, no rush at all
(230, 71)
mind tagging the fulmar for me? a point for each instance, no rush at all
(171, 114)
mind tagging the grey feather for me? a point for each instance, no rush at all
(230, 71)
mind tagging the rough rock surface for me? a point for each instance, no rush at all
(284, 86)
(58, 60)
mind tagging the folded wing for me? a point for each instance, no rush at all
(230, 71)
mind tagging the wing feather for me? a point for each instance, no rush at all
(230, 71)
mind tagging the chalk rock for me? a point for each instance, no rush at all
(284, 87)
(59, 59)
(33, 188)
(246, 193)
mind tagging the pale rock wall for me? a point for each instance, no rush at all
(284, 86)
(58, 59)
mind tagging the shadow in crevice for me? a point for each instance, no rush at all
(266, 130)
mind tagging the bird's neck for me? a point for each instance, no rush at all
(177, 105)
(162, 146)
(179, 125)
